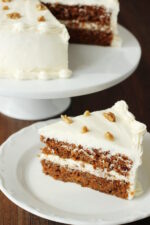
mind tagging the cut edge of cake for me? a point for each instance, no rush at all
(114, 158)
(88, 21)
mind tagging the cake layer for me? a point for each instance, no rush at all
(127, 132)
(74, 14)
(114, 187)
(91, 37)
(82, 13)
(84, 167)
(89, 32)
(105, 144)
(33, 44)
(75, 24)
(97, 158)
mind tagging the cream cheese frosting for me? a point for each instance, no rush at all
(33, 44)
(84, 167)
(127, 132)
(108, 3)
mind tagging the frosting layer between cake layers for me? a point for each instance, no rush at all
(128, 137)
(111, 10)
(33, 44)
(127, 132)
(84, 167)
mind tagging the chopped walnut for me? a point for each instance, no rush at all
(87, 113)
(41, 7)
(6, 0)
(110, 116)
(66, 119)
(5, 7)
(84, 130)
(14, 15)
(109, 136)
(41, 19)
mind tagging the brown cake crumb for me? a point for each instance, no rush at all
(109, 136)
(100, 159)
(41, 19)
(113, 187)
(14, 15)
(81, 13)
(110, 116)
(86, 36)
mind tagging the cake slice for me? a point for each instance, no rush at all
(88, 21)
(33, 44)
(100, 150)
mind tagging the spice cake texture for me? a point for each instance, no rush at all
(88, 21)
(100, 150)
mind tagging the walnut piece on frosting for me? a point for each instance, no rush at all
(110, 116)
(14, 15)
(84, 129)
(87, 113)
(66, 119)
(41, 19)
(40, 7)
(5, 7)
(109, 136)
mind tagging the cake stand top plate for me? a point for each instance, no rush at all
(94, 69)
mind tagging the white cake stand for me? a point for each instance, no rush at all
(94, 69)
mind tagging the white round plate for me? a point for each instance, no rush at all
(22, 181)
(94, 69)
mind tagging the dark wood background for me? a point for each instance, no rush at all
(135, 15)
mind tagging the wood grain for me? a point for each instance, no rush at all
(135, 90)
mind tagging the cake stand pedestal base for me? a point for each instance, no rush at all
(33, 109)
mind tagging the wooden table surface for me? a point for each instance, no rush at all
(135, 90)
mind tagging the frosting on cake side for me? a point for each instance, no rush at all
(33, 44)
(113, 130)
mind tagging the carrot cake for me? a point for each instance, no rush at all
(100, 150)
(88, 21)
(33, 44)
